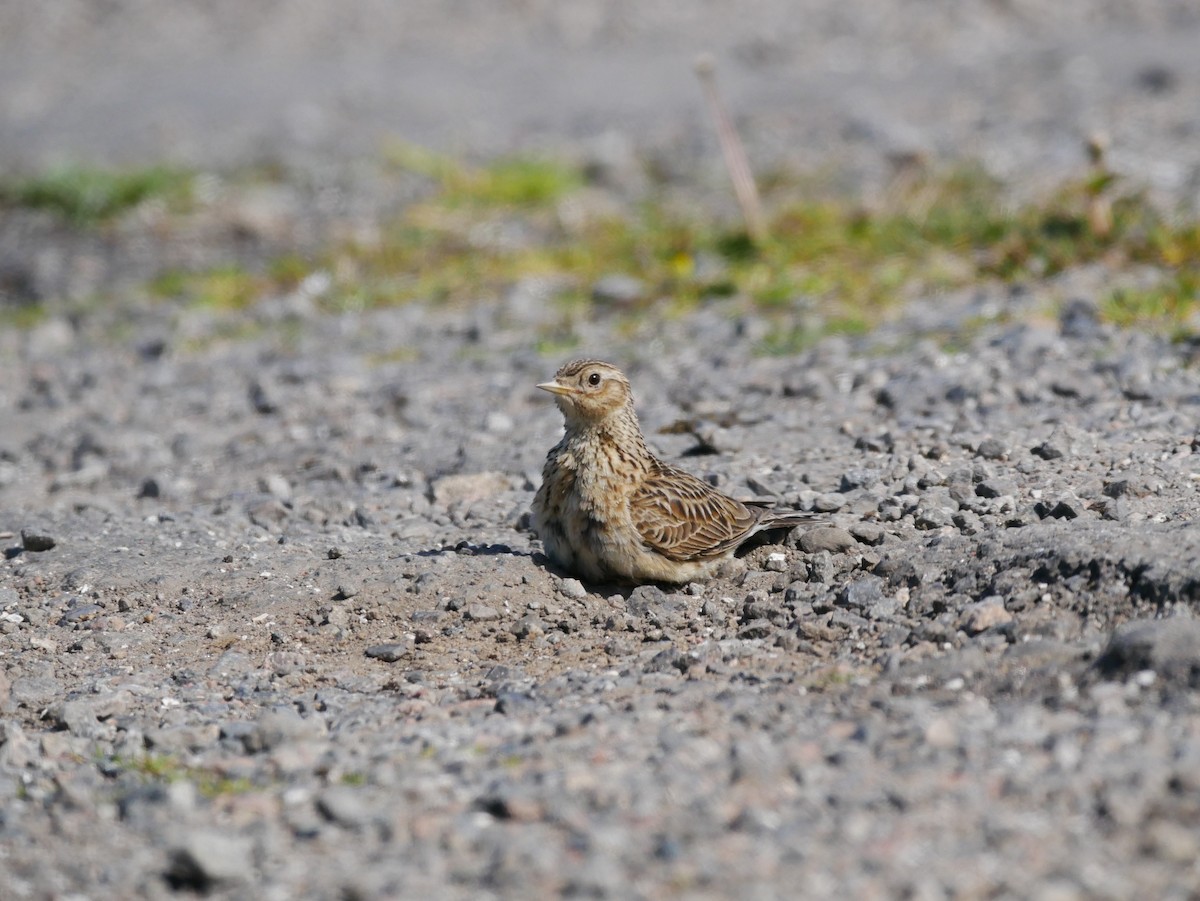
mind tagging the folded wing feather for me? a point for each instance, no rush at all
(685, 518)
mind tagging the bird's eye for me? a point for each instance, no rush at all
(594, 379)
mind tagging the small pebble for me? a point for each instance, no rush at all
(868, 533)
(528, 627)
(572, 588)
(983, 615)
(480, 613)
(826, 538)
(37, 541)
(206, 859)
(345, 805)
(992, 449)
(80, 613)
(390, 652)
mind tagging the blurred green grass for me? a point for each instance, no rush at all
(87, 195)
(932, 231)
(829, 263)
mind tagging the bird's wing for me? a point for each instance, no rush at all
(685, 518)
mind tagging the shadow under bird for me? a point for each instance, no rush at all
(608, 510)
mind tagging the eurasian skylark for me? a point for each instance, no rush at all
(608, 510)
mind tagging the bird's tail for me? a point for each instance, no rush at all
(787, 519)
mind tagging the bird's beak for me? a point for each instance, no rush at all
(555, 387)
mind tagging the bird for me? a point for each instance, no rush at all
(609, 511)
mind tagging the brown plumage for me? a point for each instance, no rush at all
(609, 510)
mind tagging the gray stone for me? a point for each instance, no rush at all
(182, 739)
(468, 488)
(50, 338)
(337, 615)
(828, 538)
(992, 449)
(1050, 449)
(511, 702)
(277, 486)
(205, 859)
(997, 487)
(717, 439)
(828, 503)
(1065, 441)
(232, 664)
(276, 728)
(931, 517)
(1080, 318)
(390, 652)
(868, 533)
(1062, 508)
(669, 660)
(237, 730)
(268, 513)
(528, 627)
(77, 717)
(1133, 486)
(620, 647)
(858, 478)
(572, 588)
(756, 629)
(983, 615)
(347, 806)
(262, 398)
(346, 590)
(37, 540)
(863, 593)
(1170, 648)
(80, 613)
(848, 620)
(820, 567)
(654, 606)
(480, 613)
(17, 750)
(1116, 509)
(35, 691)
(760, 605)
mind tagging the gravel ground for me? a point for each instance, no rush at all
(272, 625)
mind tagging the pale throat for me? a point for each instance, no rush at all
(604, 452)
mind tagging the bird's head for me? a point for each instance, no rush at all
(589, 392)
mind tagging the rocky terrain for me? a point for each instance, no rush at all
(272, 624)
